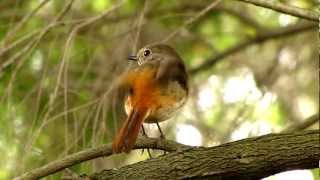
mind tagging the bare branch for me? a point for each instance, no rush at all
(192, 20)
(271, 34)
(23, 21)
(303, 125)
(101, 151)
(35, 41)
(64, 60)
(286, 9)
(140, 23)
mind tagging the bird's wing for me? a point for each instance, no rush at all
(120, 93)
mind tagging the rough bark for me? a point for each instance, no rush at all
(96, 152)
(251, 158)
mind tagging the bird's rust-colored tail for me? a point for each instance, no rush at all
(127, 135)
(144, 98)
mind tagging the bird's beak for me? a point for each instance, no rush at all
(132, 58)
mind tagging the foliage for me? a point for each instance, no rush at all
(55, 100)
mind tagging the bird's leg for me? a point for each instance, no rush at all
(161, 133)
(145, 134)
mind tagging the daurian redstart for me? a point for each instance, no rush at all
(155, 90)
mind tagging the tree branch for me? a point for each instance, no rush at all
(303, 125)
(102, 151)
(251, 158)
(271, 34)
(294, 11)
(23, 21)
(256, 157)
(192, 20)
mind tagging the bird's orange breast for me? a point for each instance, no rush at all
(146, 93)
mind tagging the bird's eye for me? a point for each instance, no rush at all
(146, 52)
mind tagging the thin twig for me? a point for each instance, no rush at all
(65, 57)
(36, 41)
(271, 34)
(23, 22)
(286, 9)
(140, 24)
(303, 125)
(192, 20)
(58, 18)
(44, 31)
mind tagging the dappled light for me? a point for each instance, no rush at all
(292, 175)
(189, 135)
(248, 68)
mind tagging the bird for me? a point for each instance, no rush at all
(152, 92)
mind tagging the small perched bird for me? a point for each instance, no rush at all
(153, 91)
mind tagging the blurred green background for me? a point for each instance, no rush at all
(54, 87)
